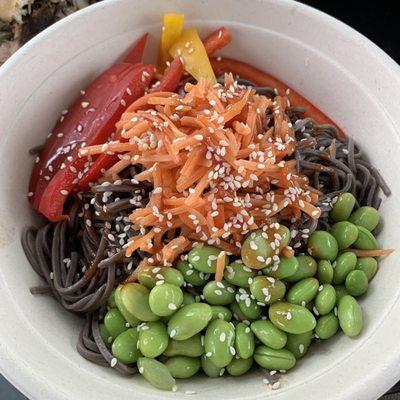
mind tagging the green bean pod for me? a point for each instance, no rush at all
(272, 359)
(239, 274)
(267, 290)
(244, 341)
(239, 366)
(183, 367)
(326, 299)
(327, 326)
(307, 268)
(350, 316)
(303, 291)
(204, 258)
(129, 317)
(192, 347)
(156, 373)
(268, 334)
(125, 346)
(298, 344)
(219, 293)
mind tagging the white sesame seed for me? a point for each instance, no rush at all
(113, 362)
(64, 192)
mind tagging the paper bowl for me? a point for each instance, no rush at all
(336, 68)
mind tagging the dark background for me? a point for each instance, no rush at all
(378, 21)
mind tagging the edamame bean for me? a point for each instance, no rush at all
(244, 341)
(343, 207)
(129, 317)
(345, 234)
(322, 245)
(150, 275)
(189, 320)
(105, 335)
(221, 312)
(247, 304)
(192, 347)
(191, 275)
(219, 342)
(327, 326)
(286, 267)
(238, 274)
(134, 298)
(256, 250)
(239, 366)
(325, 271)
(272, 359)
(114, 322)
(209, 368)
(237, 312)
(365, 216)
(307, 268)
(291, 318)
(188, 299)
(299, 344)
(267, 290)
(340, 292)
(303, 291)
(365, 240)
(269, 334)
(165, 299)
(153, 339)
(368, 265)
(204, 258)
(124, 347)
(111, 300)
(326, 299)
(350, 316)
(156, 373)
(183, 367)
(344, 264)
(219, 293)
(356, 283)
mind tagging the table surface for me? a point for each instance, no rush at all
(377, 21)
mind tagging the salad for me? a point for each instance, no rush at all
(202, 216)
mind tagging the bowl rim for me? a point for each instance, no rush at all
(15, 369)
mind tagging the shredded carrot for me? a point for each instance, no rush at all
(370, 253)
(288, 251)
(219, 273)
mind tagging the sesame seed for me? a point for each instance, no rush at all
(113, 362)
(64, 192)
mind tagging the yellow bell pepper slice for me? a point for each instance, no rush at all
(194, 56)
(171, 31)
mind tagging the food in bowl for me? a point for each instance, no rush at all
(202, 216)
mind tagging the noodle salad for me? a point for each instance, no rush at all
(202, 216)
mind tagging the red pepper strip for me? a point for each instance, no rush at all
(261, 78)
(135, 54)
(108, 97)
(217, 40)
(171, 78)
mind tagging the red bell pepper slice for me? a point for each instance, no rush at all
(171, 78)
(135, 55)
(261, 78)
(217, 40)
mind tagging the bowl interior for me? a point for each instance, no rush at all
(302, 47)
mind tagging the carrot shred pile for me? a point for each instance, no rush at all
(217, 172)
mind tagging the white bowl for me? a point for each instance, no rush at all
(339, 70)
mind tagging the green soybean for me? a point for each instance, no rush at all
(105, 335)
(165, 299)
(239, 366)
(188, 299)
(326, 299)
(273, 359)
(344, 264)
(303, 291)
(324, 271)
(356, 283)
(256, 250)
(350, 316)
(322, 245)
(340, 292)
(307, 268)
(237, 312)
(267, 290)
(183, 367)
(291, 318)
(221, 312)
(345, 234)
(150, 275)
(153, 339)
(156, 373)
(189, 320)
(111, 300)
(368, 265)
(130, 318)
(204, 258)
(298, 344)
(239, 274)
(365, 240)
(244, 341)
(343, 207)
(209, 368)
(327, 326)
(114, 322)
(192, 347)
(286, 267)
(247, 304)
(269, 334)
(219, 293)
(219, 342)
(191, 275)
(365, 216)
(125, 346)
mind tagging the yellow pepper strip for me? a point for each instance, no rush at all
(171, 31)
(193, 55)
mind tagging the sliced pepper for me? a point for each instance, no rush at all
(135, 55)
(217, 40)
(171, 31)
(195, 59)
(171, 78)
(261, 78)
